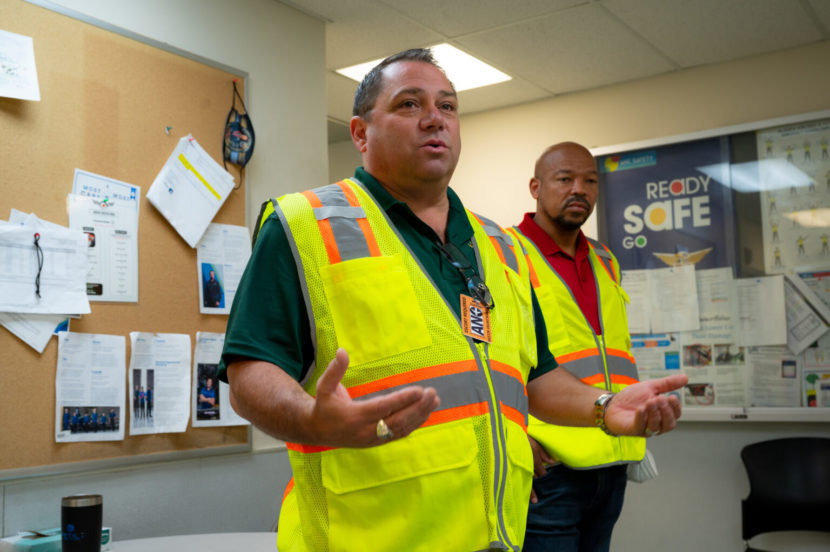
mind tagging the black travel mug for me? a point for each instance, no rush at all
(81, 518)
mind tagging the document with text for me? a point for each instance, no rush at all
(211, 397)
(159, 382)
(89, 387)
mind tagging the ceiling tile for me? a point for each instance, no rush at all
(711, 31)
(503, 94)
(356, 40)
(467, 16)
(333, 11)
(362, 30)
(575, 49)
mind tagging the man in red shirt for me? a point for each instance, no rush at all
(581, 475)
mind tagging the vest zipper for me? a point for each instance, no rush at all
(499, 448)
(604, 357)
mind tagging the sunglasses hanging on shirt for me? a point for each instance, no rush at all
(475, 285)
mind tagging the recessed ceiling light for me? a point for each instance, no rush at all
(463, 70)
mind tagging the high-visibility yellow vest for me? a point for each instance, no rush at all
(603, 361)
(461, 481)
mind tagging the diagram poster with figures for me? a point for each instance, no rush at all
(669, 205)
(794, 174)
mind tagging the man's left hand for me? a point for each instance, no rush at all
(642, 410)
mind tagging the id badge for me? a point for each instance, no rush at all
(475, 319)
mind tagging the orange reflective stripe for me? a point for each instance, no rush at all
(507, 370)
(603, 263)
(371, 242)
(615, 378)
(365, 227)
(534, 278)
(312, 199)
(576, 355)
(437, 417)
(288, 489)
(325, 229)
(413, 377)
(306, 449)
(513, 415)
(457, 413)
(349, 193)
(497, 247)
(596, 378)
(614, 276)
(623, 380)
(620, 353)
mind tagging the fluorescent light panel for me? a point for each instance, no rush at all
(463, 70)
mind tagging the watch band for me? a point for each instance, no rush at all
(600, 406)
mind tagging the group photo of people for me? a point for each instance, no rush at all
(90, 419)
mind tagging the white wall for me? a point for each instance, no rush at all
(343, 159)
(283, 52)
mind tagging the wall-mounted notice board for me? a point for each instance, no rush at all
(723, 238)
(113, 105)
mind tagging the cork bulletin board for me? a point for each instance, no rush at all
(107, 100)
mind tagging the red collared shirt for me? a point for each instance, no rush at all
(576, 271)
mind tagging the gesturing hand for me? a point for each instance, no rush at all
(641, 409)
(343, 422)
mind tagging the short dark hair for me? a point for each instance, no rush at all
(370, 87)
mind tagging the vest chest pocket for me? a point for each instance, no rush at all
(558, 338)
(407, 494)
(374, 308)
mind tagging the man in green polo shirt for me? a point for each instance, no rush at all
(388, 335)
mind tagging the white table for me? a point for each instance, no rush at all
(211, 542)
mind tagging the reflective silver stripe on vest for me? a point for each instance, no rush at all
(592, 365)
(350, 212)
(351, 242)
(493, 230)
(460, 389)
(511, 392)
(454, 389)
(298, 262)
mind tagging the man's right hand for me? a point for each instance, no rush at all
(541, 460)
(353, 423)
(276, 403)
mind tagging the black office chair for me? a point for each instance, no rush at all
(789, 487)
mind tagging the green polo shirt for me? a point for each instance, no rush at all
(269, 321)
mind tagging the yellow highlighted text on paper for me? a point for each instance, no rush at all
(191, 168)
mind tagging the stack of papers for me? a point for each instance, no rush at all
(190, 189)
(40, 285)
